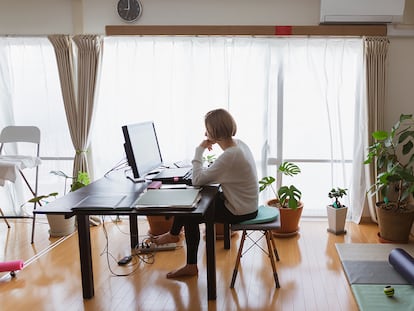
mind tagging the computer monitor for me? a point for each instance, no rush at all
(141, 148)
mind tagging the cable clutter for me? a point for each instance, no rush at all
(143, 252)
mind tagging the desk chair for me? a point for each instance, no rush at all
(23, 134)
(266, 220)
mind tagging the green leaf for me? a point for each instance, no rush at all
(290, 196)
(407, 147)
(380, 135)
(289, 168)
(42, 197)
(404, 117)
(60, 173)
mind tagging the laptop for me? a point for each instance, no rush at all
(173, 199)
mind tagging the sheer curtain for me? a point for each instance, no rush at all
(293, 99)
(175, 81)
(30, 95)
(318, 100)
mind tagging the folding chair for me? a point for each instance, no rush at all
(22, 134)
(266, 220)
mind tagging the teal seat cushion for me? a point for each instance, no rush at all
(264, 214)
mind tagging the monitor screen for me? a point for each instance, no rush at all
(141, 148)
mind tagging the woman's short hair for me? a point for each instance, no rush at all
(220, 124)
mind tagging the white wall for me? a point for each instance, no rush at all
(65, 16)
(400, 98)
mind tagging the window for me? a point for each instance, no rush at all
(32, 96)
(293, 99)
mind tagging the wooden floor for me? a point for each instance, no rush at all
(309, 270)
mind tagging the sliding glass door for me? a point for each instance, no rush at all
(294, 99)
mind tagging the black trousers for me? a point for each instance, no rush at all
(192, 226)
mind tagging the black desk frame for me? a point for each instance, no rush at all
(116, 185)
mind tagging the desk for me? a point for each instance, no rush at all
(117, 184)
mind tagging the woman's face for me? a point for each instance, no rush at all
(207, 133)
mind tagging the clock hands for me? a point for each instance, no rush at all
(129, 10)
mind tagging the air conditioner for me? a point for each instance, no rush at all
(362, 11)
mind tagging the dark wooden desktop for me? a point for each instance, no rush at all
(114, 184)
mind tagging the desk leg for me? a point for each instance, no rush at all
(133, 230)
(227, 236)
(84, 237)
(211, 259)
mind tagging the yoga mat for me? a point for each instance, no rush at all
(372, 272)
(368, 263)
(11, 265)
(372, 298)
(369, 252)
(403, 263)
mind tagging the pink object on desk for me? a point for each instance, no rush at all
(155, 185)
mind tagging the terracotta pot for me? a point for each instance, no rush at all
(159, 224)
(289, 219)
(394, 226)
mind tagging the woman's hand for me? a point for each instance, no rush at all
(207, 144)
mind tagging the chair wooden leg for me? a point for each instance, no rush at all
(272, 257)
(33, 228)
(239, 254)
(274, 246)
(5, 219)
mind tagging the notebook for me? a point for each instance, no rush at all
(177, 199)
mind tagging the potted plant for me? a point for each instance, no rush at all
(337, 211)
(59, 225)
(287, 199)
(393, 154)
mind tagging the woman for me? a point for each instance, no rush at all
(234, 170)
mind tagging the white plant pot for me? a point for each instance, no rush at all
(336, 219)
(60, 226)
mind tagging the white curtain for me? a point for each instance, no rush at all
(293, 98)
(30, 95)
(175, 81)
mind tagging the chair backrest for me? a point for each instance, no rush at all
(20, 134)
(29, 134)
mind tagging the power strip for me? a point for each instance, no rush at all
(149, 248)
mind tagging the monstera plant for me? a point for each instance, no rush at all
(287, 199)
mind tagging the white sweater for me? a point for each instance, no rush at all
(235, 171)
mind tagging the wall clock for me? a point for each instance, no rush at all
(129, 10)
